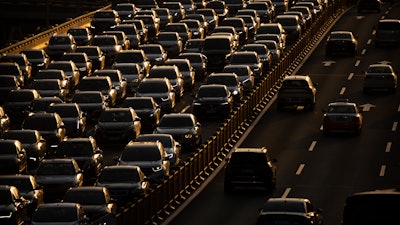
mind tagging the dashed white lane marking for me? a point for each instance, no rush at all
(312, 146)
(357, 63)
(350, 76)
(286, 192)
(369, 41)
(373, 32)
(382, 171)
(363, 51)
(300, 169)
(342, 90)
(394, 126)
(388, 146)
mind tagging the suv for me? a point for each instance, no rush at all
(250, 167)
(218, 50)
(297, 91)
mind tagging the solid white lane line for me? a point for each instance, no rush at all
(382, 171)
(394, 127)
(300, 169)
(388, 146)
(350, 76)
(312, 146)
(286, 193)
(357, 63)
(342, 90)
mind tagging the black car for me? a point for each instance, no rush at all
(132, 73)
(22, 61)
(70, 69)
(12, 68)
(118, 81)
(124, 182)
(41, 104)
(60, 44)
(50, 126)
(73, 117)
(184, 127)
(231, 81)
(82, 35)
(13, 207)
(173, 74)
(155, 53)
(85, 152)
(95, 201)
(56, 176)
(171, 42)
(92, 104)
(18, 104)
(341, 42)
(38, 59)
(99, 83)
(244, 74)
(212, 99)
(4, 121)
(251, 167)
(95, 54)
(55, 74)
(199, 63)
(218, 50)
(28, 188)
(81, 61)
(13, 158)
(263, 53)
(135, 56)
(50, 88)
(147, 109)
(103, 20)
(109, 46)
(60, 213)
(251, 59)
(289, 211)
(7, 84)
(33, 143)
(117, 125)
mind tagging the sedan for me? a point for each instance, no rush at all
(95, 54)
(118, 81)
(380, 76)
(13, 157)
(184, 127)
(341, 42)
(251, 59)
(73, 117)
(342, 115)
(155, 53)
(147, 109)
(289, 211)
(213, 99)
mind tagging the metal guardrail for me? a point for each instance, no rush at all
(166, 197)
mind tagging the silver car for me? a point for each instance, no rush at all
(380, 76)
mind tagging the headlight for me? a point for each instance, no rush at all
(235, 92)
(157, 168)
(188, 135)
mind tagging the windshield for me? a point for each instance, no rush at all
(141, 153)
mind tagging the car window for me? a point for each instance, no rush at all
(247, 158)
(145, 153)
(128, 176)
(341, 109)
(281, 206)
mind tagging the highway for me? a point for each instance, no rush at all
(325, 169)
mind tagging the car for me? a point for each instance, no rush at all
(104, 19)
(95, 201)
(50, 126)
(212, 99)
(187, 71)
(135, 56)
(38, 59)
(184, 127)
(18, 105)
(273, 48)
(264, 11)
(99, 83)
(199, 63)
(58, 213)
(251, 59)
(314, 9)
(220, 8)
(122, 38)
(303, 21)
(12, 68)
(81, 61)
(33, 143)
(70, 69)
(194, 45)
(13, 158)
(147, 109)
(56, 176)
(177, 11)
(161, 90)
(244, 74)
(72, 116)
(152, 23)
(124, 182)
(380, 76)
(55, 74)
(132, 73)
(218, 50)
(41, 104)
(5, 122)
(13, 206)
(7, 84)
(165, 16)
(342, 115)
(117, 125)
(251, 25)
(204, 25)
(292, 26)
(155, 53)
(173, 74)
(28, 188)
(50, 88)
(22, 60)
(341, 42)
(189, 6)
(272, 28)
(250, 12)
(231, 81)
(273, 37)
(146, 4)
(95, 54)
(240, 27)
(306, 13)
(59, 44)
(109, 45)
(295, 91)
(263, 53)
(151, 157)
(229, 31)
(290, 211)
(118, 81)
(211, 17)
(250, 167)
(87, 154)
(281, 6)
(387, 32)
(125, 10)
(181, 28)
(171, 42)
(92, 103)
(368, 6)
(82, 35)
(235, 5)
(195, 28)
(141, 28)
(171, 146)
